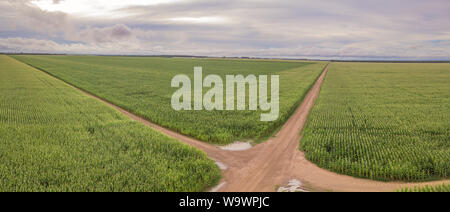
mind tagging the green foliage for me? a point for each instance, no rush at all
(55, 138)
(142, 85)
(438, 188)
(382, 121)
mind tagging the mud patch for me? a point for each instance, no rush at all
(292, 186)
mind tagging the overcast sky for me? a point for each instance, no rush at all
(261, 28)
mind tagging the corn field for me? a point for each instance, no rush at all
(55, 138)
(438, 188)
(384, 122)
(142, 86)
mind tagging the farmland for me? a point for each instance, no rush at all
(142, 85)
(382, 121)
(55, 138)
(438, 188)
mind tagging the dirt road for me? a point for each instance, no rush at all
(278, 160)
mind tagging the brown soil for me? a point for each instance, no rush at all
(278, 160)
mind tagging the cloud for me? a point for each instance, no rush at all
(21, 15)
(35, 45)
(281, 28)
(31, 45)
(95, 35)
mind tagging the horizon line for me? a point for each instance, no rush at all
(287, 58)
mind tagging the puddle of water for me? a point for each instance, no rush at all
(218, 187)
(237, 146)
(293, 186)
(221, 166)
